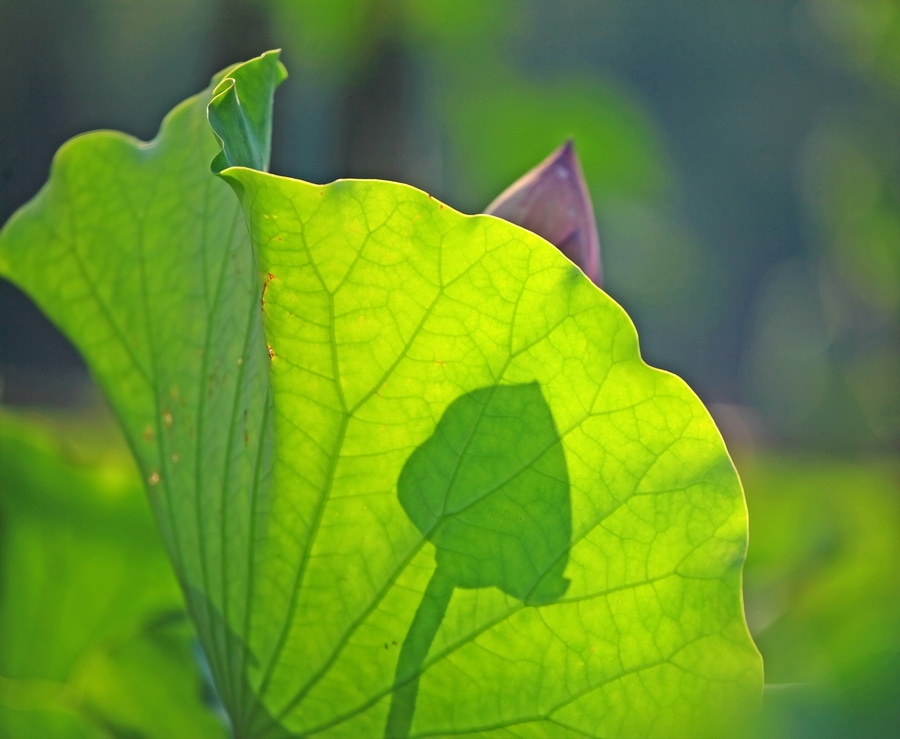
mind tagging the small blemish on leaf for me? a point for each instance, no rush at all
(154, 478)
(168, 418)
(240, 361)
(265, 287)
(271, 353)
(175, 459)
(148, 434)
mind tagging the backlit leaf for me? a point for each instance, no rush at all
(478, 510)
(493, 517)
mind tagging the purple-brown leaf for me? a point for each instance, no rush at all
(552, 200)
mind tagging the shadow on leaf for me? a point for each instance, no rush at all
(490, 489)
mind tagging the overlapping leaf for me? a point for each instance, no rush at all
(141, 256)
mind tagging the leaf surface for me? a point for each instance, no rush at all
(448, 497)
(492, 516)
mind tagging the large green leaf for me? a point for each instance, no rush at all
(492, 516)
(95, 640)
(478, 510)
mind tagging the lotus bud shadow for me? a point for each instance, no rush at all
(489, 488)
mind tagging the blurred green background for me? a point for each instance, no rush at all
(744, 161)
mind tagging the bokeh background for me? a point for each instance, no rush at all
(744, 162)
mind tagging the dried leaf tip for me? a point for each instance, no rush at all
(553, 201)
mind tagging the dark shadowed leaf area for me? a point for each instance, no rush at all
(494, 520)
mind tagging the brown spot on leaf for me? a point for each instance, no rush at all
(265, 287)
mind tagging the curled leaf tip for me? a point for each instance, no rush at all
(240, 112)
(552, 200)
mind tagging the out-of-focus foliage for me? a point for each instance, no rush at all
(501, 128)
(822, 589)
(824, 361)
(868, 32)
(95, 641)
(852, 181)
(497, 122)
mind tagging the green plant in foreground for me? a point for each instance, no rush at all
(95, 640)
(412, 474)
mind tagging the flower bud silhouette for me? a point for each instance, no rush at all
(489, 488)
(553, 201)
